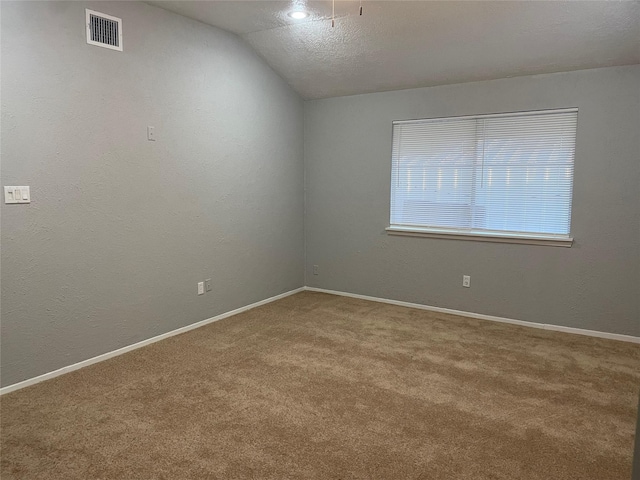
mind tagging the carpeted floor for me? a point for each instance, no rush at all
(316, 386)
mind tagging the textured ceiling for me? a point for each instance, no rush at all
(404, 44)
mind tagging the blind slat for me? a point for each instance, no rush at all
(500, 173)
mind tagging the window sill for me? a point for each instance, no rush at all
(549, 240)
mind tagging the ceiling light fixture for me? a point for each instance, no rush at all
(298, 14)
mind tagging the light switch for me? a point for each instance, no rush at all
(16, 194)
(151, 134)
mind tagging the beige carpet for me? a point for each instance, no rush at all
(323, 387)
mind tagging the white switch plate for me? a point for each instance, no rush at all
(151, 134)
(200, 288)
(17, 194)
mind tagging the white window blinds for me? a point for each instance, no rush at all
(486, 174)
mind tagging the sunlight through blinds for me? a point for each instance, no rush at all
(490, 173)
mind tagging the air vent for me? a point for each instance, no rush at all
(104, 30)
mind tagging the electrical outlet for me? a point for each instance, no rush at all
(200, 288)
(207, 284)
(466, 281)
(151, 134)
(315, 269)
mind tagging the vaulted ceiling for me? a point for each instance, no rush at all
(404, 44)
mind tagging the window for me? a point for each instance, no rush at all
(505, 177)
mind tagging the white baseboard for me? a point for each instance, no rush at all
(149, 341)
(143, 343)
(543, 326)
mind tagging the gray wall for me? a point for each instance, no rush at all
(593, 285)
(121, 229)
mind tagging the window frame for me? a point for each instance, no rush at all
(557, 240)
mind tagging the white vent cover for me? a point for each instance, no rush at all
(104, 30)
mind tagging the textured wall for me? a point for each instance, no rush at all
(593, 285)
(121, 229)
